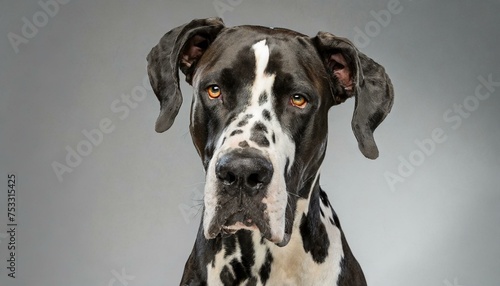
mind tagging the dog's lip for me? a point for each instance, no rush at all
(231, 229)
(249, 225)
(241, 220)
(227, 230)
(284, 241)
(230, 224)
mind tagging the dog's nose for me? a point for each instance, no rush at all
(244, 169)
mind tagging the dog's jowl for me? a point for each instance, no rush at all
(259, 120)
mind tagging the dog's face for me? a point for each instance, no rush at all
(258, 116)
(258, 124)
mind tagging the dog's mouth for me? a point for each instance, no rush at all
(245, 192)
(227, 225)
(238, 221)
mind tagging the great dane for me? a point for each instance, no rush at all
(259, 123)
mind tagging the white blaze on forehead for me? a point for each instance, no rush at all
(276, 198)
(261, 56)
(263, 82)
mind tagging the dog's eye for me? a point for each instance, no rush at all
(213, 91)
(298, 100)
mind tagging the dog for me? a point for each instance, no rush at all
(259, 124)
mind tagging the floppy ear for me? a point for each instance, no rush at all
(354, 74)
(180, 48)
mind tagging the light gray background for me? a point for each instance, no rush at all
(132, 205)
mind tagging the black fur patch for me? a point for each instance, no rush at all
(266, 114)
(350, 273)
(275, 62)
(240, 273)
(260, 139)
(315, 238)
(263, 98)
(229, 246)
(237, 131)
(259, 126)
(252, 281)
(226, 276)
(324, 199)
(265, 270)
(326, 203)
(258, 134)
(247, 250)
(243, 144)
(244, 121)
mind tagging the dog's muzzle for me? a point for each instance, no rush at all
(241, 195)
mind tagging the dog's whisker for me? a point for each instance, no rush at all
(294, 195)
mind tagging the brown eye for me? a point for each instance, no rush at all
(213, 91)
(298, 100)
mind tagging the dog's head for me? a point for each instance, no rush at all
(259, 114)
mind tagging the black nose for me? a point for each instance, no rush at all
(244, 169)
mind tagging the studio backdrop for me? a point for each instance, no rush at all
(90, 194)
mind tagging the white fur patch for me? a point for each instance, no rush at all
(293, 266)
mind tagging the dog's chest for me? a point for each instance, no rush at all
(250, 260)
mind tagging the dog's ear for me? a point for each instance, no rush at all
(354, 74)
(180, 48)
